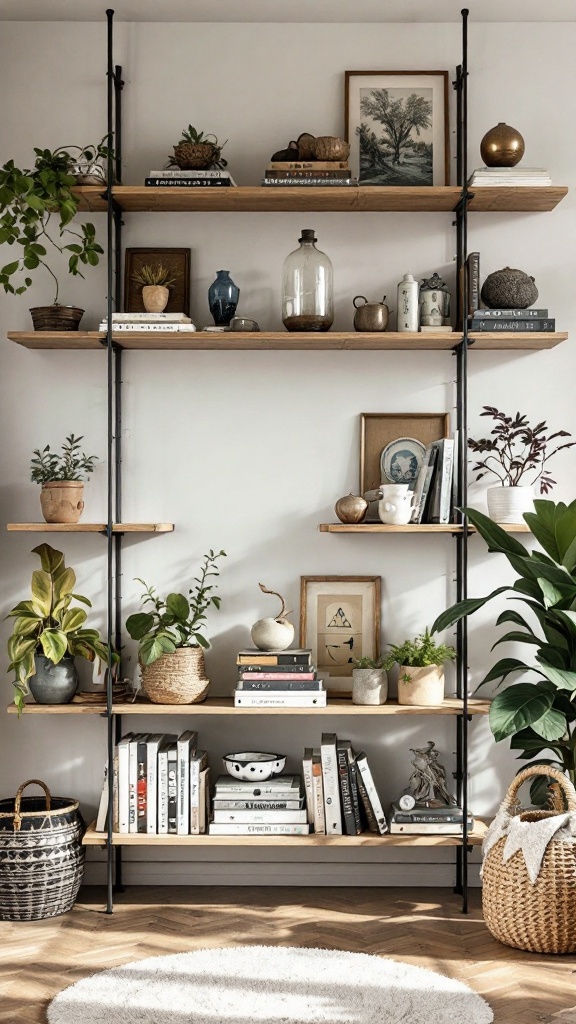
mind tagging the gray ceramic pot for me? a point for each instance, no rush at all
(53, 684)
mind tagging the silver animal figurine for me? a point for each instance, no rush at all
(428, 781)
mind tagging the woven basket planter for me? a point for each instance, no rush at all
(41, 855)
(191, 156)
(539, 916)
(178, 678)
(56, 318)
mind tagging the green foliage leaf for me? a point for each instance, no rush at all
(178, 606)
(516, 708)
(201, 641)
(515, 636)
(504, 668)
(72, 620)
(139, 625)
(64, 584)
(50, 558)
(462, 609)
(152, 647)
(561, 678)
(42, 592)
(552, 725)
(54, 644)
(496, 538)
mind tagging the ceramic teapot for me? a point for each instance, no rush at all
(370, 316)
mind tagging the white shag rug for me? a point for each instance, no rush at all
(268, 985)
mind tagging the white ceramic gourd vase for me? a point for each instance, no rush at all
(273, 634)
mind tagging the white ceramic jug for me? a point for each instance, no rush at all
(396, 504)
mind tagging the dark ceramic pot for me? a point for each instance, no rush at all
(53, 684)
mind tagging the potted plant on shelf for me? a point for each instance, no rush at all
(197, 151)
(369, 681)
(512, 452)
(421, 662)
(171, 641)
(87, 167)
(61, 476)
(31, 200)
(155, 282)
(48, 634)
(538, 716)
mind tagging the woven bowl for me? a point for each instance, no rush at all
(56, 318)
(192, 156)
(178, 678)
(328, 147)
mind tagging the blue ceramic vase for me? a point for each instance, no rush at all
(223, 297)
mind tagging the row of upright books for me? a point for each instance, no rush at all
(308, 173)
(268, 679)
(435, 483)
(341, 796)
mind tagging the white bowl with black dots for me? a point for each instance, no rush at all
(250, 765)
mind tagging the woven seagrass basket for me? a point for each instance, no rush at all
(192, 156)
(540, 916)
(56, 318)
(41, 855)
(178, 678)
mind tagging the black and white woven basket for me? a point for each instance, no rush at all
(41, 855)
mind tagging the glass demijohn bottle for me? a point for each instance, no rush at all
(307, 288)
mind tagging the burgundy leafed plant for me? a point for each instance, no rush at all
(515, 448)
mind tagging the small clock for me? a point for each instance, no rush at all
(407, 802)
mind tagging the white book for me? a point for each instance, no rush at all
(441, 495)
(177, 172)
(152, 746)
(372, 793)
(186, 746)
(439, 828)
(152, 318)
(172, 790)
(198, 764)
(282, 786)
(133, 781)
(170, 328)
(332, 812)
(262, 817)
(115, 795)
(319, 819)
(307, 777)
(123, 750)
(103, 805)
(222, 829)
(204, 799)
(280, 698)
(168, 743)
(257, 804)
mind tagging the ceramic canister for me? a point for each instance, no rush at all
(408, 304)
(395, 505)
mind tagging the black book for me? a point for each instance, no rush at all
(505, 314)
(188, 182)
(473, 272)
(142, 784)
(173, 789)
(510, 325)
(345, 788)
(356, 802)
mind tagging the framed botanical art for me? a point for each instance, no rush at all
(340, 623)
(397, 127)
(176, 261)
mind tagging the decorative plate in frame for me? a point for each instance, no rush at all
(401, 460)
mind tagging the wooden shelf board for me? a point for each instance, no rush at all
(283, 341)
(412, 528)
(225, 706)
(93, 838)
(298, 199)
(89, 527)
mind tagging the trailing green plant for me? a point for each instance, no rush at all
(418, 653)
(72, 464)
(368, 662)
(88, 154)
(178, 621)
(31, 199)
(47, 624)
(197, 138)
(537, 716)
(515, 448)
(153, 274)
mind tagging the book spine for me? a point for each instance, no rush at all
(172, 792)
(442, 499)
(307, 778)
(256, 699)
(103, 805)
(261, 817)
(308, 182)
(183, 777)
(509, 314)
(426, 819)
(303, 658)
(372, 794)
(308, 165)
(142, 787)
(257, 805)
(281, 677)
(230, 829)
(175, 318)
(133, 784)
(152, 788)
(429, 464)
(116, 796)
(246, 791)
(370, 816)
(277, 671)
(204, 799)
(123, 786)
(188, 182)
(473, 265)
(448, 829)
(318, 795)
(252, 684)
(513, 325)
(163, 792)
(433, 512)
(331, 785)
(341, 174)
(167, 327)
(354, 791)
(345, 793)
(173, 172)
(195, 767)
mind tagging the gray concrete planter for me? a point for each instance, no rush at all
(53, 684)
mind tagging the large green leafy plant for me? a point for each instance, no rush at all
(537, 713)
(178, 621)
(48, 625)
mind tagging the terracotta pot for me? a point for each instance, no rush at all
(62, 501)
(178, 678)
(424, 687)
(155, 298)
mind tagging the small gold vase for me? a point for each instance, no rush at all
(502, 146)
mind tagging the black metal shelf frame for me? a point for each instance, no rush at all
(114, 445)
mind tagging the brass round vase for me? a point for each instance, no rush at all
(502, 146)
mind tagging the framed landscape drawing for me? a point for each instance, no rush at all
(397, 127)
(340, 623)
(177, 261)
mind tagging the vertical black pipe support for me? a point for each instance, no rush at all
(117, 213)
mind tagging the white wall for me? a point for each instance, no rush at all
(249, 451)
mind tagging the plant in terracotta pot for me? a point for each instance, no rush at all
(155, 282)
(35, 205)
(198, 151)
(513, 452)
(421, 662)
(62, 478)
(369, 681)
(171, 641)
(48, 634)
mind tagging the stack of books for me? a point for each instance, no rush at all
(497, 176)
(275, 807)
(275, 679)
(436, 821)
(175, 177)
(308, 172)
(511, 320)
(341, 797)
(435, 484)
(148, 322)
(161, 785)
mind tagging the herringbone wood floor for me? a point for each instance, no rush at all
(420, 926)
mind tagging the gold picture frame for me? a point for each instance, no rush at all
(339, 623)
(177, 261)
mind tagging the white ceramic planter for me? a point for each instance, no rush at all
(508, 504)
(369, 686)
(425, 686)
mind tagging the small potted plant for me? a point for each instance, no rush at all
(48, 634)
(514, 451)
(155, 282)
(171, 641)
(369, 681)
(30, 201)
(421, 663)
(197, 151)
(61, 476)
(87, 167)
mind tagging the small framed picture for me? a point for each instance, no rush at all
(175, 261)
(340, 623)
(397, 127)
